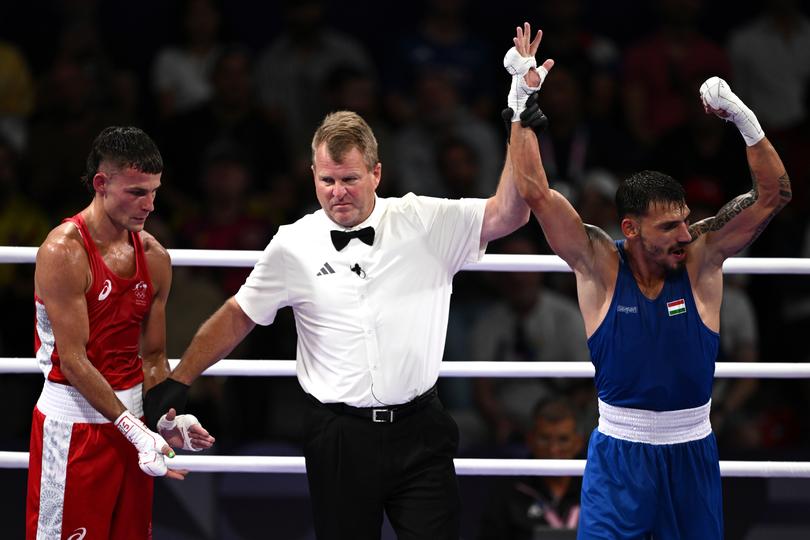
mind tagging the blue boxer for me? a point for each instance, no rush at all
(653, 468)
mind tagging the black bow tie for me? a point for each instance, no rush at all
(341, 238)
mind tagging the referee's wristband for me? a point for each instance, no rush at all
(163, 396)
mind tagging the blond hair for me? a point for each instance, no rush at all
(342, 131)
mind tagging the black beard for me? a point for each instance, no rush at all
(671, 271)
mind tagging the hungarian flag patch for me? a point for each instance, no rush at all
(676, 307)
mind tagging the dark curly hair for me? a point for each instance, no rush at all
(123, 147)
(638, 192)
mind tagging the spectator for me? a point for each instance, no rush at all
(181, 74)
(660, 70)
(458, 168)
(441, 115)
(702, 153)
(230, 117)
(597, 204)
(223, 221)
(16, 95)
(771, 61)
(22, 223)
(592, 56)
(530, 324)
(573, 143)
(443, 44)
(292, 70)
(68, 117)
(528, 507)
(350, 89)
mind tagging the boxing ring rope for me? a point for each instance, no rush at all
(464, 466)
(286, 368)
(494, 263)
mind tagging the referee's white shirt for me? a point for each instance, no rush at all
(376, 338)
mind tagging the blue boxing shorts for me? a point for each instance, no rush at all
(642, 490)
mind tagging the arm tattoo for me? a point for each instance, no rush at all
(698, 229)
(785, 194)
(785, 191)
(724, 215)
(737, 205)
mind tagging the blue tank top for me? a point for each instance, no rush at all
(653, 354)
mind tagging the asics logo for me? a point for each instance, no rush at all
(78, 534)
(106, 290)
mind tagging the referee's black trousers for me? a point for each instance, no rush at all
(358, 468)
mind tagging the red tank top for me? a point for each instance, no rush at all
(116, 307)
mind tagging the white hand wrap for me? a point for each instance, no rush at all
(183, 423)
(718, 98)
(519, 92)
(148, 443)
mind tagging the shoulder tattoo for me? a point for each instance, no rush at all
(596, 235)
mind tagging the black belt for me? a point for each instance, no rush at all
(384, 415)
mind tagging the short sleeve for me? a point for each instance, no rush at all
(265, 291)
(453, 227)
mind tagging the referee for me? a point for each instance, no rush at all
(369, 281)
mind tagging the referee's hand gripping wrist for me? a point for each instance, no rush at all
(532, 117)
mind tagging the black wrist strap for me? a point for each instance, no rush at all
(162, 397)
(506, 116)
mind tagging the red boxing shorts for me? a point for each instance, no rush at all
(84, 482)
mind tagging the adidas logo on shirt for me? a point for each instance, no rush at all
(325, 269)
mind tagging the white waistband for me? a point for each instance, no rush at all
(65, 403)
(655, 427)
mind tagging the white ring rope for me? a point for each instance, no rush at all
(464, 466)
(286, 368)
(504, 263)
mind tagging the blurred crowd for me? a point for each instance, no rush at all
(232, 93)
